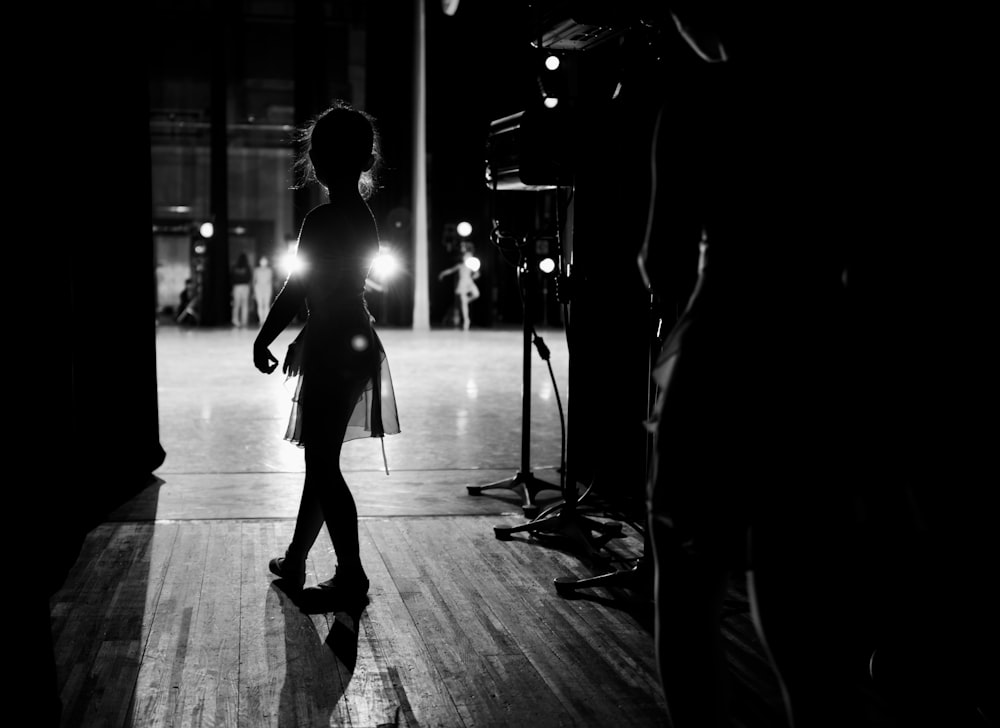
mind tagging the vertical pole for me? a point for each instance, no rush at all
(524, 274)
(311, 84)
(216, 297)
(421, 304)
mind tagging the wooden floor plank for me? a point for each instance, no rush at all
(211, 671)
(72, 596)
(106, 626)
(469, 624)
(367, 696)
(262, 655)
(334, 685)
(126, 621)
(314, 681)
(462, 630)
(392, 635)
(160, 688)
(576, 672)
(448, 624)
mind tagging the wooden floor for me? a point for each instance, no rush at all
(171, 618)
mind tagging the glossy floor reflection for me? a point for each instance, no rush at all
(459, 396)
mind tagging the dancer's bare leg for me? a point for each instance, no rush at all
(464, 298)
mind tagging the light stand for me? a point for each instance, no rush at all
(524, 478)
(522, 156)
(566, 518)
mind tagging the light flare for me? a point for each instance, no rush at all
(385, 265)
(290, 263)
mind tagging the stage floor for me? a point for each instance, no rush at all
(459, 398)
(170, 616)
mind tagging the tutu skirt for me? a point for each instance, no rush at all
(374, 413)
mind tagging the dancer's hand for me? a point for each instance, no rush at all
(263, 359)
(291, 365)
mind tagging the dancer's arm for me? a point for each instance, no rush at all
(284, 309)
(449, 271)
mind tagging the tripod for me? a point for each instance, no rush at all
(524, 478)
(566, 518)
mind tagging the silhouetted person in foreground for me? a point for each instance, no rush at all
(781, 406)
(344, 390)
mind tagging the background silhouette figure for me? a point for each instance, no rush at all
(466, 290)
(263, 287)
(241, 277)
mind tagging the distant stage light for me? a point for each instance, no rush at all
(552, 63)
(464, 229)
(385, 265)
(473, 263)
(207, 230)
(546, 265)
(200, 249)
(551, 102)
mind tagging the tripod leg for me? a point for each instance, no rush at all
(510, 483)
(638, 577)
(563, 525)
(531, 484)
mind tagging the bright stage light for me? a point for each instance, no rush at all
(290, 263)
(473, 263)
(464, 229)
(207, 230)
(546, 265)
(551, 102)
(385, 265)
(552, 63)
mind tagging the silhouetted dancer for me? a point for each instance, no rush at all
(344, 390)
(466, 290)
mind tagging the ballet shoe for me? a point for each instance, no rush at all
(291, 571)
(336, 594)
